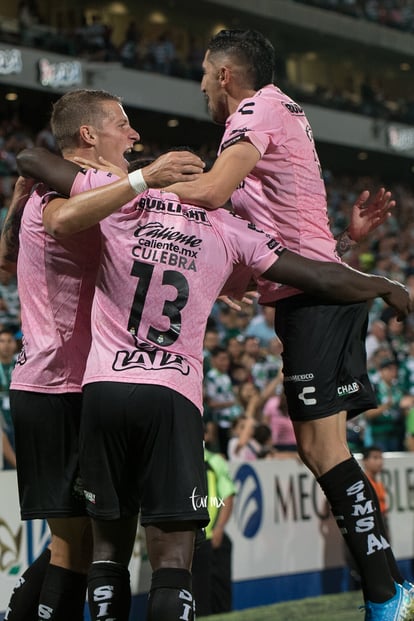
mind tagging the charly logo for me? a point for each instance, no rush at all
(308, 390)
(248, 508)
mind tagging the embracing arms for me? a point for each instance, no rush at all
(62, 218)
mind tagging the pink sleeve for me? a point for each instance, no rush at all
(254, 126)
(91, 179)
(248, 245)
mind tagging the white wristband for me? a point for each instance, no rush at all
(137, 181)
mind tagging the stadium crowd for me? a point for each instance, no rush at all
(391, 13)
(244, 402)
(178, 52)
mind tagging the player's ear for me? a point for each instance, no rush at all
(224, 75)
(87, 133)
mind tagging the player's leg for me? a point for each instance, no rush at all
(24, 601)
(109, 467)
(201, 573)
(325, 372)
(355, 507)
(63, 592)
(351, 499)
(109, 591)
(170, 550)
(174, 504)
(47, 431)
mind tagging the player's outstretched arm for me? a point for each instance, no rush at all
(214, 188)
(337, 282)
(9, 242)
(365, 218)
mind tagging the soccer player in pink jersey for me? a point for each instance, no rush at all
(163, 265)
(56, 281)
(268, 166)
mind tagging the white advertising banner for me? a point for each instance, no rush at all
(281, 522)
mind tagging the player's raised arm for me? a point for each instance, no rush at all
(366, 216)
(337, 282)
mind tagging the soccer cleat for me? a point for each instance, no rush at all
(398, 608)
(408, 586)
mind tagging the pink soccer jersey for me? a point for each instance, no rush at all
(284, 194)
(163, 266)
(56, 281)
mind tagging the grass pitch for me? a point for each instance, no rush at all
(340, 607)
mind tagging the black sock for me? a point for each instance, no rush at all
(109, 591)
(24, 601)
(354, 507)
(63, 595)
(392, 563)
(170, 597)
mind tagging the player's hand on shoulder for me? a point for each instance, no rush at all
(173, 167)
(102, 164)
(399, 298)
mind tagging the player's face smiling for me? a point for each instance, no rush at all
(213, 90)
(115, 136)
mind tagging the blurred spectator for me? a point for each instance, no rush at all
(407, 370)
(129, 48)
(229, 322)
(220, 396)
(268, 363)
(262, 366)
(392, 14)
(276, 416)
(163, 55)
(235, 349)
(95, 42)
(385, 425)
(211, 341)
(376, 337)
(262, 326)
(28, 17)
(9, 303)
(8, 350)
(250, 440)
(396, 339)
(373, 464)
(211, 571)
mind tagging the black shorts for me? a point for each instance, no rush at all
(141, 449)
(324, 358)
(47, 438)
